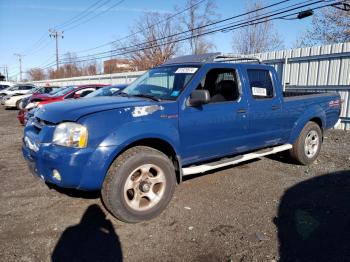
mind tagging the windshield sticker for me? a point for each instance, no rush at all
(259, 91)
(186, 70)
(175, 93)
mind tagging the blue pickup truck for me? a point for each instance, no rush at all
(190, 115)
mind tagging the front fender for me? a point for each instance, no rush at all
(314, 111)
(131, 132)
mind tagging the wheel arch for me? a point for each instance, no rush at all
(314, 114)
(159, 144)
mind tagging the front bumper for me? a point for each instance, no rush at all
(9, 103)
(78, 168)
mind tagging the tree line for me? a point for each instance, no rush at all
(330, 25)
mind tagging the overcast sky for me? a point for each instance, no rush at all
(24, 26)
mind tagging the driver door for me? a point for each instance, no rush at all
(220, 127)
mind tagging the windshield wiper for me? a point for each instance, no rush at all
(121, 94)
(139, 95)
(149, 97)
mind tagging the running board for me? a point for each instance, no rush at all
(234, 160)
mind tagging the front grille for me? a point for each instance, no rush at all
(39, 123)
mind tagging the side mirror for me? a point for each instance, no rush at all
(76, 96)
(199, 97)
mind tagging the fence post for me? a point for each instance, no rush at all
(285, 72)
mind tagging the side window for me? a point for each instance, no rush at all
(82, 91)
(222, 85)
(260, 83)
(71, 95)
(26, 87)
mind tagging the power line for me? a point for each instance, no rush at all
(145, 28)
(74, 19)
(135, 33)
(227, 28)
(296, 6)
(78, 16)
(93, 17)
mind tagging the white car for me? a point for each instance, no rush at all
(12, 101)
(5, 84)
(17, 89)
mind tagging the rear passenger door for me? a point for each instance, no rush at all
(265, 118)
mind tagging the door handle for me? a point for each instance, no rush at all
(242, 111)
(275, 107)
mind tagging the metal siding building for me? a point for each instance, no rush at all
(319, 68)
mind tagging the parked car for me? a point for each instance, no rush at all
(40, 91)
(5, 85)
(69, 92)
(107, 91)
(17, 89)
(190, 115)
(14, 101)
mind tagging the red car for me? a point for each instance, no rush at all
(69, 92)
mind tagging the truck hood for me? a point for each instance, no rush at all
(72, 110)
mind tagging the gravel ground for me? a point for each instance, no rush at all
(264, 210)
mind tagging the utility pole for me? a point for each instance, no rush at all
(56, 34)
(5, 71)
(19, 56)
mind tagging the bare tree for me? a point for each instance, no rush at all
(256, 37)
(194, 19)
(71, 68)
(154, 44)
(330, 26)
(91, 69)
(36, 74)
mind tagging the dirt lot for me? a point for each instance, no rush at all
(265, 210)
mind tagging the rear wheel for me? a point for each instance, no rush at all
(308, 145)
(139, 184)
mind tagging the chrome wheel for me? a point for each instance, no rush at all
(144, 187)
(312, 143)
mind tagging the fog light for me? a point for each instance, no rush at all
(56, 175)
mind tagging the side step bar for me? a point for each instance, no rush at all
(234, 160)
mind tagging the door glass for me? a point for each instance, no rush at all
(260, 83)
(222, 85)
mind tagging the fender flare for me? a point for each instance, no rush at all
(315, 112)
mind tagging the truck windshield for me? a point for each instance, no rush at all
(162, 83)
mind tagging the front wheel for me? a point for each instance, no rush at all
(139, 184)
(308, 145)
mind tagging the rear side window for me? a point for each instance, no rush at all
(260, 83)
(26, 87)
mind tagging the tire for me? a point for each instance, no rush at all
(139, 184)
(308, 145)
(17, 104)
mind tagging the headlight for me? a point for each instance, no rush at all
(32, 105)
(71, 135)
